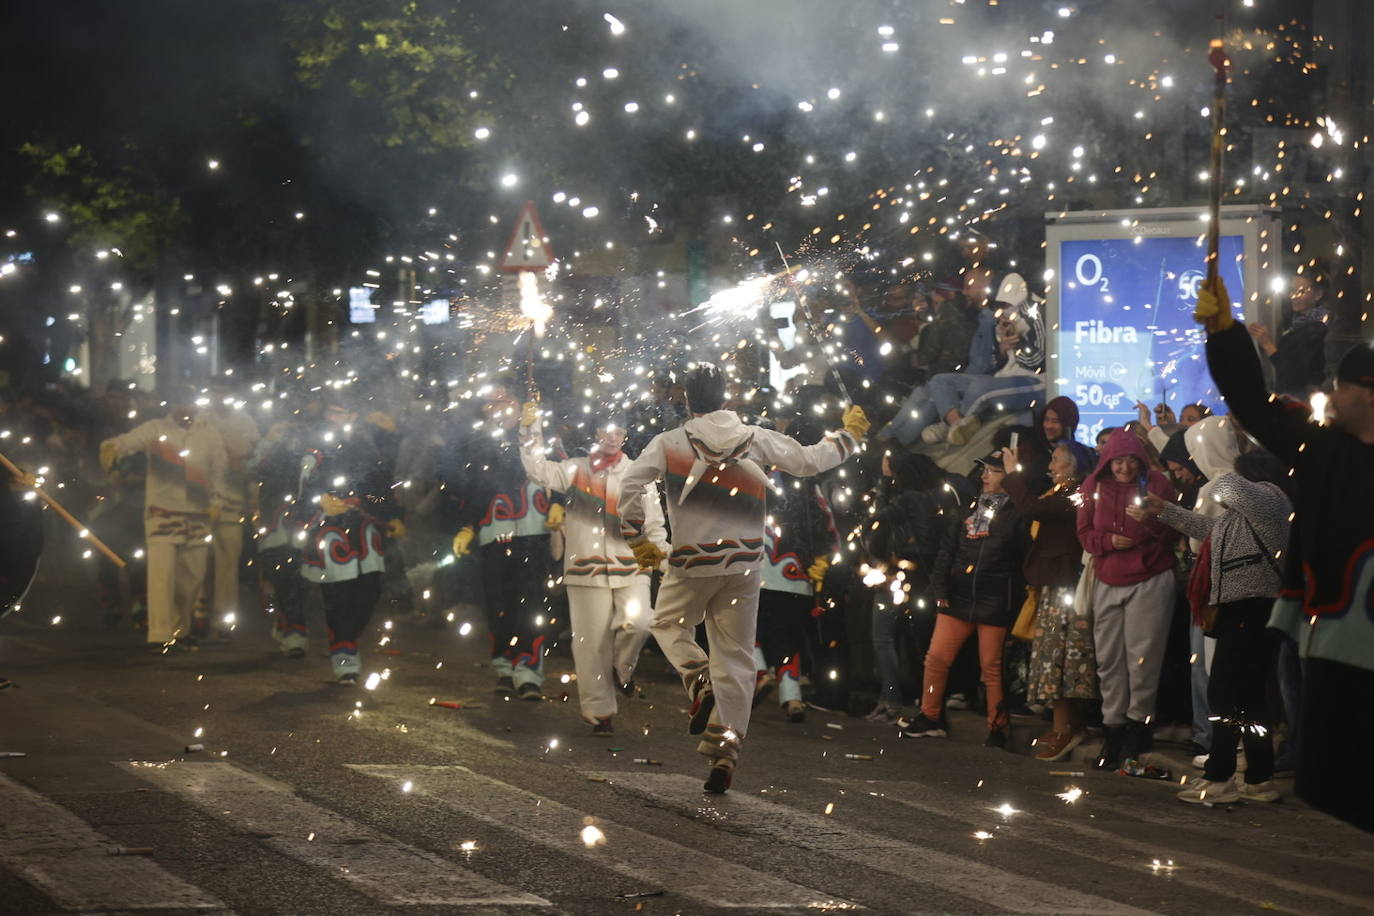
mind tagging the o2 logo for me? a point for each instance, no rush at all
(1088, 270)
(1189, 284)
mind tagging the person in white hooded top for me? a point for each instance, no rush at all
(608, 594)
(715, 470)
(1214, 447)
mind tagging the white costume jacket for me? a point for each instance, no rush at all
(715, 469)
(595, 551)
(186, 471)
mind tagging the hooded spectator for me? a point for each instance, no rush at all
(1133, 592)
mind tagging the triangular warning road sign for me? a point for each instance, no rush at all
(529, 246)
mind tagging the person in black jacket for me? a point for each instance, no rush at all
(903, 537)
(279, 519)
(346, 479)
(977, 586)
(1299, 355)
(1326, 601)
(507, 518)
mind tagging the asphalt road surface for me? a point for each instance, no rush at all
(310, 798)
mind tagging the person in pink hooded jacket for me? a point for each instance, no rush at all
(1133, 595)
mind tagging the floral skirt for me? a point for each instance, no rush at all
(1062, 664)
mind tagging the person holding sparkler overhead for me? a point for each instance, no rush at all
(608, 594)
(507, 517)
(1326, 603)
(715, 468)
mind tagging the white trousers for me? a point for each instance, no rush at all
(729, 605)
(609, 629)
(176, 574)
(227, 548)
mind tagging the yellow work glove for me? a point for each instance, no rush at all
(214, 510)
(557, 515)
(529, 413)
(817, 572)
(855, 422)
(462, 542)
(1214, 306)
(332, 505)
(108, 455)
(647, 554)
(382, 421)
(396, 528)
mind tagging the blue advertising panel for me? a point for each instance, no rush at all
(1126, 329)
(360, 307)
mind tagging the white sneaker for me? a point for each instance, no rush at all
(1200, 761)
(1259, 792)
(956, 701)
(1200, 791)
(935, 433)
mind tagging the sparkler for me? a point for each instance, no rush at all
(811, 322)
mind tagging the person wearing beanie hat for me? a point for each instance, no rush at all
(608, 594)
(715, 470)
(1326, 602)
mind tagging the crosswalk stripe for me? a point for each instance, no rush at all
(643, 857)
(923, 865)
(1212, 875)
(370, 862)
(57, 852)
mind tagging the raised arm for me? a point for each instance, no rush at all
(635, 489)
(773, 449)
(1235, 366)
(556, 475)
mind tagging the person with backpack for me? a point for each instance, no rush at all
(1232, 590)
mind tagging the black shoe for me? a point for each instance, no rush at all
(530, 692)
(603, 728)
(1138, 739)
(795, 710)
(923, 727)
(718, 780)
(348, 680)
(764, 685)
(295, 652)
(703, 702)
(997, 737)
(505, 686)
(629, 689)
(1110, 756)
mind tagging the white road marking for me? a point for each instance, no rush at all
(642, 857)
(1212, 875)
(370, 862)
(61, 855)
(833, 839)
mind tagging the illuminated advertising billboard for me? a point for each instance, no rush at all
(1121, 294)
